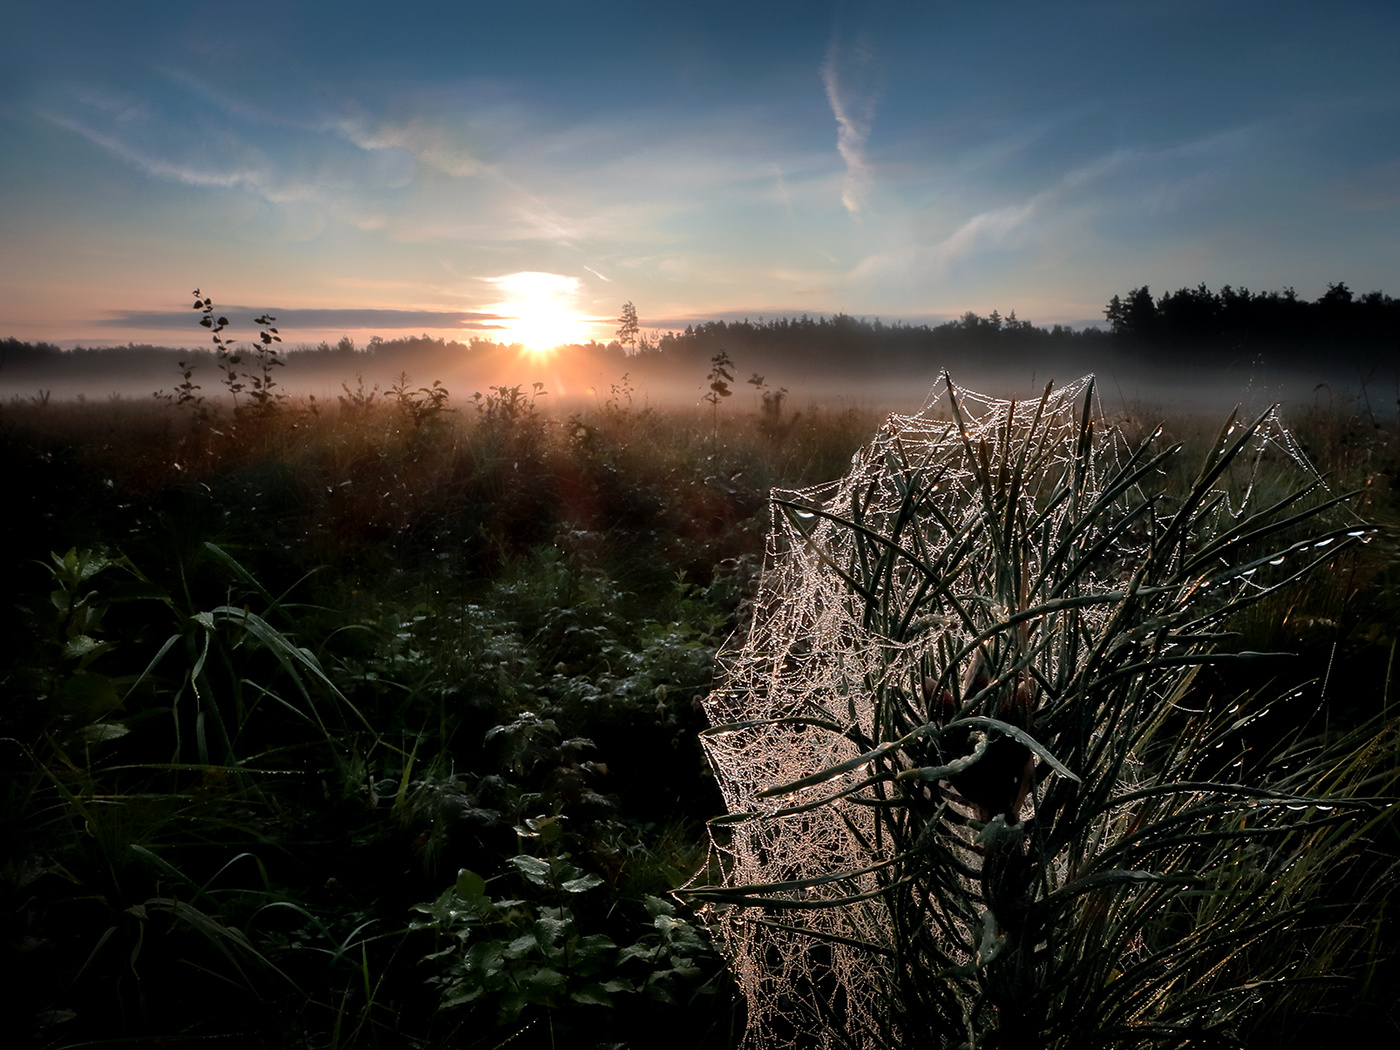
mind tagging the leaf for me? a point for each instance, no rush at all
(83, 645)
(658, 906)
(1021, 736)
(522, 945)
(581, 884)
(534, 869)
(546, 980)
(99, 732)
(548, 930)
(461, 998)
(596, 950)
(592, 995)
(487, 957)
(470, 885)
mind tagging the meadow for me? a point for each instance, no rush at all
(377, 723)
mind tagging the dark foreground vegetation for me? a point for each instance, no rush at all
(375, 728)
(378, 726)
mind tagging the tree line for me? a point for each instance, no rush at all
(1200, 319)
(1185, 326)
(1190, 326)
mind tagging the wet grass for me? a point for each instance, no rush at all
(303, 669)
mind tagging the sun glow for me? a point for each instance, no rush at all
(538, 310)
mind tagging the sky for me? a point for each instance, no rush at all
(519, 171)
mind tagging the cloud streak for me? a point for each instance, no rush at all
(1124, 185)
(429, 144)
(847, 75)
(252, 171)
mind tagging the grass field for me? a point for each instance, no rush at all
(378, 724)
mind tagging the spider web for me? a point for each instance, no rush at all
(801, 684)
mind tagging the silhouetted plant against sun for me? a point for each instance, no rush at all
(184, 396)
(422, 406)
(720, 377)
(357, 403)
(261, 384)
(226, 357)
(257, 381)
(771, 403)
(508, 407)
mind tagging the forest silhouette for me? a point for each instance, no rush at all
(1192, 331)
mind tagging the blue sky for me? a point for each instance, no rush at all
(524, 169)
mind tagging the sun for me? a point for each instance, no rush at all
(537, 310)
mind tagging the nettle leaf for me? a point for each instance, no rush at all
(594, 946)
(439, 911)
(546, 980)
(592, 995)
(638, 951)
(470, 885)
(666, 924)
(486, 957)
(522, 945)
(581, 884)
(470, 994)
(548, 931)
(658, 906)
(534, 869)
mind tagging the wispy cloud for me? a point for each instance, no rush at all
(152, 165)
(218, 159)
(430, 143)
(848, 75)
(1142, 187)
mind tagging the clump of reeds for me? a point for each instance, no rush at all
(980, 793)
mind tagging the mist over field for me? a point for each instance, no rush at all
(1189, 351)
(587, 381)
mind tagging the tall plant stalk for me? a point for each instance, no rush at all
(978, 792)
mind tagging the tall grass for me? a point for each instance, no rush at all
(331, 706)
(981, 792)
